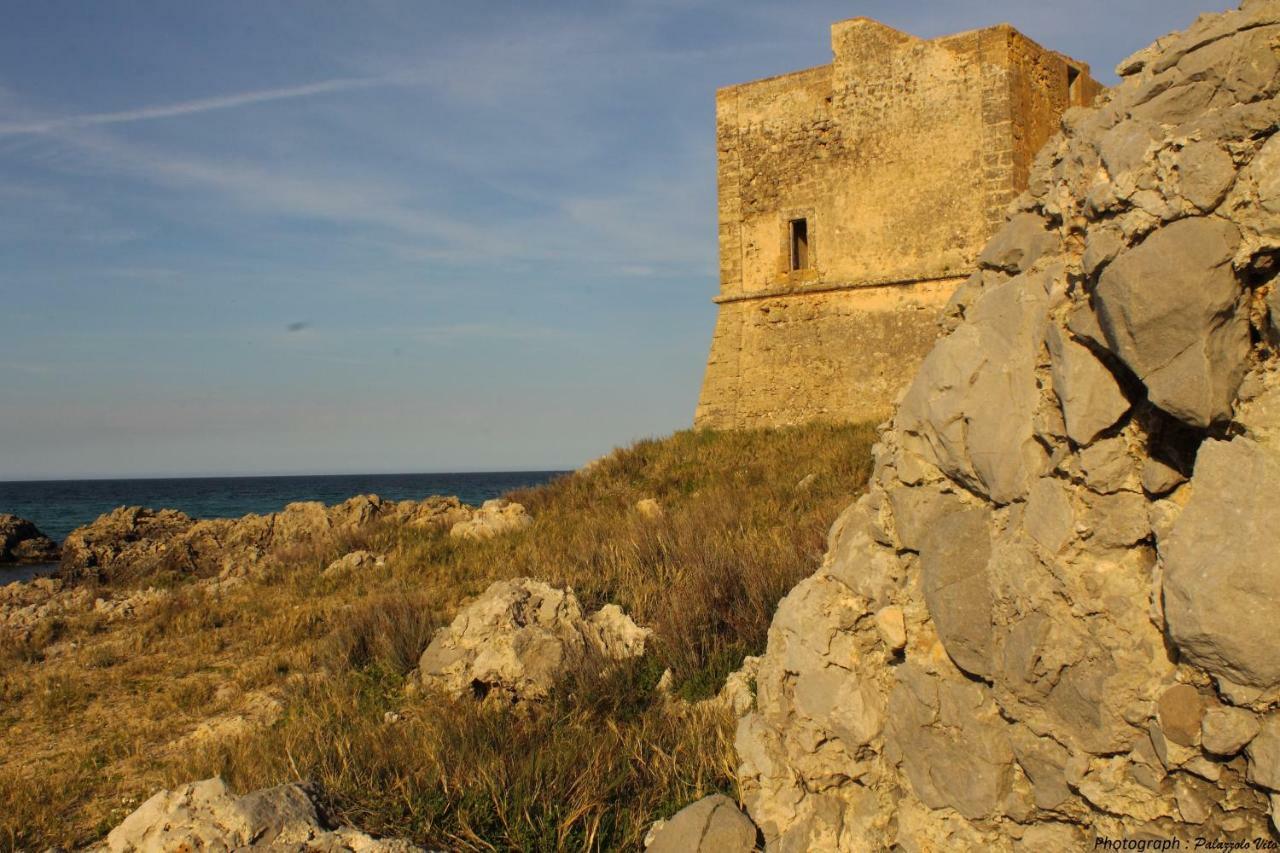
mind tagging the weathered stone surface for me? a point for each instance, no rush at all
(1108, 466)
(1264, 754)
(494, 518)
(519, 638)
(138, 540)
(953, 749)
(23, 542)
(892, 228)
(1172, 310)
(125, 536)
(971, 408)
(1090, 396)
(1222, 564)
(1206, 173)
(711, 825)
(1160, 478)
(892, 627)
(207, 816)
(1079, 621)
(1022, 241)
(1179, 711)
(1049, 516)
(957, 587)
(1225, 730)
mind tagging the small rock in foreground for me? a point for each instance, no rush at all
(711, 825)
(205, 815)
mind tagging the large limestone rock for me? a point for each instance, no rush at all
(520, 637)
(137, 540)
(1052, 617)
(22, 542)
(206, 815)
(1222, 564)
(1172, 309)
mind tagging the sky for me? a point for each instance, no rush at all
(273, 237)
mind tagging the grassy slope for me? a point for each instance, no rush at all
(92, 710)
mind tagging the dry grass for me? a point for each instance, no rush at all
(98, 716)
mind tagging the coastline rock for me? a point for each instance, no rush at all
(519, 637)
(22, 542)
(205, 815)
(713, 824)
(493, 518)
(136, 540)
(1071, 511)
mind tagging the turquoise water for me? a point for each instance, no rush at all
(59, 506)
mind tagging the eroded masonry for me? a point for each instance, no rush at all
(853, 199)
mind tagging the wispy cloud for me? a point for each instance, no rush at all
(198, 105)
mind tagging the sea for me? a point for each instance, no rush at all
(59, 506)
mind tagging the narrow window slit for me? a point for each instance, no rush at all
(799, 244)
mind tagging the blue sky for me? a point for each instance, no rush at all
(297, 237)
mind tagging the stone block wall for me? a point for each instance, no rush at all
(901, 156)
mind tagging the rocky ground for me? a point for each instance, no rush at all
(551, 671)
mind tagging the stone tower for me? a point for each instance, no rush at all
(853, 198)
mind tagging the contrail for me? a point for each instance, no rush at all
(199, 105)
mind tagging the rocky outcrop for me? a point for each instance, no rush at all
(711, 825)
(22, 542)
(520, 637)
(493, 518)
(354, 563)
(138, 540)
(205, 815)
(1052, 617)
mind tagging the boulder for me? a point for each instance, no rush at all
(22, 542)
(957, 586)
(1264, 755)
(494, 518)
(1018, 245)
(519, 638)
(1224, 730)
(1222, 564)
(206, 815)
(1091, 398)
(1172, 309)
(1050, 619)
(711, 825)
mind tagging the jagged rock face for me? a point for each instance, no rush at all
(517, 639)
(205, 815)
(1053, 615)
(22, 542)
(138, 539)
